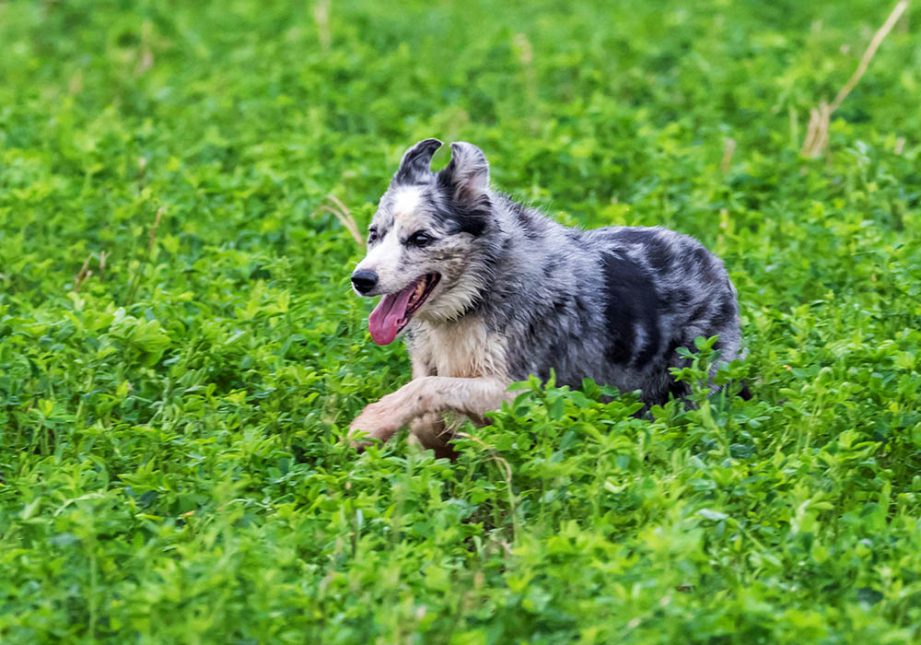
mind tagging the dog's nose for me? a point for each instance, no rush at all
(364, 280)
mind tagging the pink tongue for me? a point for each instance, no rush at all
(389, 315)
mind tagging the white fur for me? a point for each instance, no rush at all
(406, 201)
(640, 337)
(463, 349)
(383, 259)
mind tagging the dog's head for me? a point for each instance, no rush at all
(424, 244)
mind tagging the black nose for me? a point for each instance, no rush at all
(364, 280)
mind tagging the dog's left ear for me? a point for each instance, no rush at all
(466, 177)
(416, 162)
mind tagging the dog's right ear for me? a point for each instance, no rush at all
(417, 162)
(467, 175)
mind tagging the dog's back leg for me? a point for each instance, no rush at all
(432, 432)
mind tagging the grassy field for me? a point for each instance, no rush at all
(180, 354)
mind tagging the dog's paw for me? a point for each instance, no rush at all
(378, 421)
(359, 445)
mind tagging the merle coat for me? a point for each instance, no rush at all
(519, 294)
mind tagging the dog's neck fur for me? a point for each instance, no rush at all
(463, 348)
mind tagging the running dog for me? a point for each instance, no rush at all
(487, 291)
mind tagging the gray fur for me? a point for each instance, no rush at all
(612, 304)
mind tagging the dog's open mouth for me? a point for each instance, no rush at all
(395, 309)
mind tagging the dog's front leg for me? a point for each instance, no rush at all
(472, 397)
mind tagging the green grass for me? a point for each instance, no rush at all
(171, 459)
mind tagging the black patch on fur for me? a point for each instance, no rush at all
(706, 266)
(631, 298)
(701, 312)
(660, 256)
(671, 352)
(673, 389)
(463, 217)
(676, 299)
(658, 252)
(726, 312)
(677, 390)
(532, 330)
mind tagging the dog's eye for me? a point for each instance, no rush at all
(372, 235)
(420, 238)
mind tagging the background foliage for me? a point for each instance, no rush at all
(180, 353)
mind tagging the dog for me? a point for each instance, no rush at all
(487, 291)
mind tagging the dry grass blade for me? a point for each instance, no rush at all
(152, 233)
(321, 17)
(819, 118)
(868, 55)
(83, 274)
(340, 211)
(145, 57)
(729, 149)
(817, 131)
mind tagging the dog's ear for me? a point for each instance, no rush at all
(466, 177)
(417, 162)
